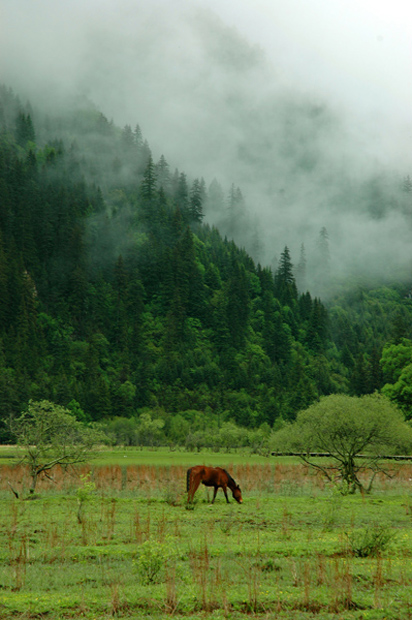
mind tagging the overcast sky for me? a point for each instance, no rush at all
(203, 79)
(359, 49)
(358, 52)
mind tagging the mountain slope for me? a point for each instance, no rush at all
(116, 298)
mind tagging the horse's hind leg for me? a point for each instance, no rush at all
(188, 476)
(214, 494)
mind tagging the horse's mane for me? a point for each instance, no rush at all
(230, 479)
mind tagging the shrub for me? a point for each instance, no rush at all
(153, 558)
(369, 542)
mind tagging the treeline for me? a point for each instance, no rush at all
(116, 299)
(189, 431)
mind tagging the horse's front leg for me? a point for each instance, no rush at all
(194, 485)
(225, 492)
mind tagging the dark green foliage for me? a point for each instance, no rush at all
(371, 542)
(116, 296)
(148, 188)
(197, 196)
(24, 129)
(285, 285)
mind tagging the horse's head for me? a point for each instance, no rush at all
(237, 494)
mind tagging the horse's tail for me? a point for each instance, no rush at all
(188, 479)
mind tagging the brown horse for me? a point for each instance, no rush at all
(211, 477)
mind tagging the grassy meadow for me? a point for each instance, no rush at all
(114, 539)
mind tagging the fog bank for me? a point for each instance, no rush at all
(304, 106)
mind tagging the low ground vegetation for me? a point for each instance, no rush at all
(296, 548)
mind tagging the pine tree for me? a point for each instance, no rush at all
(163, 174)
(24, 129)
(138, 139)
(407, 185)
(305, 306)
(267, 282)
(196, 202)
(235, 211)
(182, 197)
(215, 201)
(322, 263)
(301, 270)
(256, 244)
(359, 379)
(5, 310)
(135, 308)
(323, 245)
(148, 184)
(317, 329)
(128, 139)
(374, 371)
(120, 286)
(285, 286)
(238, 306)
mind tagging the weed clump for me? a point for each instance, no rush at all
(152, 560)
(369, 542)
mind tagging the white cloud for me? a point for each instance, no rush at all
(215, 106)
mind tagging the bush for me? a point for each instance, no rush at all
(369, 542)
(153, 558)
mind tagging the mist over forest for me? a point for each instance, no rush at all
(217, 106)
(198, 233)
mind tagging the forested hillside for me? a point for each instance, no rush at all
(117, 299)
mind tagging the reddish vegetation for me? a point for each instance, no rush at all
(151, 479)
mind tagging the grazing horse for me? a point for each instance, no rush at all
(211, 477)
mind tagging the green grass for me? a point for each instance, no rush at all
(166, 457)
(159, 456)
(286, 552)
(7, 454)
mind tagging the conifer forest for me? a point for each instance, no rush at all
(119, 298)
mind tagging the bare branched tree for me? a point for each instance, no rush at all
(49, 435)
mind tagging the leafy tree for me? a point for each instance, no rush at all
(344, 428)
(121, 431)
(396, 364)
(179, 429)
(149, 430)
(49, 435)
(395, 357)
(231, 436)
(259, 439)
